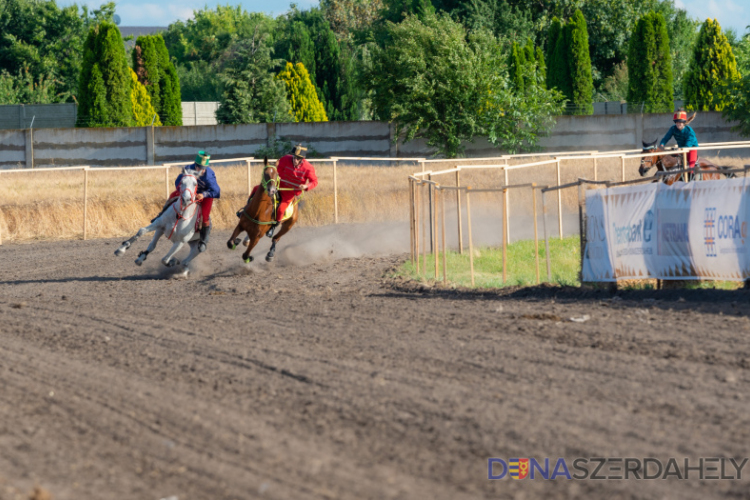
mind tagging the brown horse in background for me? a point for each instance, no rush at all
(259, 214)
(665, 162)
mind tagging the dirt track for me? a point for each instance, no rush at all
(334, 380)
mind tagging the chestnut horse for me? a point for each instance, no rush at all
(260, 213)
(704, 169)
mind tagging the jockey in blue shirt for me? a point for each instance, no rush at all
(683, 135)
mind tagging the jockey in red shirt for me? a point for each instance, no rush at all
(294, 172)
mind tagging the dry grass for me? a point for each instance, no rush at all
(49, 205)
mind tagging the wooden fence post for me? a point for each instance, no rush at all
(411, 220)
(622, 167)
(424, 234)
(506, 227)
(546, 239)
(445, 258)
(596, 170)
(505, 235)
(335, 195)
(430, 213)
(417, 215)
(536, 236)
(85, 199)
(471, 244)
(559, 201)
(458, 209)
(581, 228)
(684, 166)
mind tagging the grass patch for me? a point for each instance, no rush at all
(488, 265)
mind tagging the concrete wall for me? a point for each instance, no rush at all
(144, 145)
(199, 113)
(19, 116)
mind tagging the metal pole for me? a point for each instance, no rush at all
(435, 246)
(546, 239)
(505, 235)
(471, 244)
(424, 235)
(559, 201)
(581, 229)
(506, 208)
(536, 235)
(445, 261)
(458, 208)
(335, 195)
(85, 200)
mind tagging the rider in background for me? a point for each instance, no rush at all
(294, 172)
(208, 189)
(684, 135)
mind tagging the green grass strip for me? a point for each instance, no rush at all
(488, 265)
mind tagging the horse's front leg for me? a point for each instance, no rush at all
(128, 243)
(231, 243)
(169, 260)
(151, 246)
(253, 240)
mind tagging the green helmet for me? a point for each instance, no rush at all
(202, 159)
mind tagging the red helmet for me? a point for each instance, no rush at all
(680, 116)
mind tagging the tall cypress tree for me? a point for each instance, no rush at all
(712, 66)
(104, 57)
(541, 68)
(561, 68)
(554, 33)
(146, 66)
(582, 84)
(516, 64)
(300, 91)
(650, 66)
(170, 96)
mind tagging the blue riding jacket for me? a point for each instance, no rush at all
(685, 138)
(207, 185)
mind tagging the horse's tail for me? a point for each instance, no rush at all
(691, 118)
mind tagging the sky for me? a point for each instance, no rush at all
(730, 13)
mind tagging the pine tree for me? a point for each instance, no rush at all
(105, 51)
(582, 84)
(555, 30)
(306, 107)
(170, 96)
(713, 65)
(144, 113)
(541, 68)
(516, 64)
(147, 68)
(559, 67)
(650, 66)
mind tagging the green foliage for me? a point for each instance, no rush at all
(682, 31)
(741, 50)
(23, 88)
(199, 81)
(516, 63)
(510, 21)
(104, 58)
(146, 65)
(348, 17)
(541, 67)
(144, 113)
(435, 82)
(395, 10)
(580, 65)
(737, 93)
(615, 86)
(712, 68)
(40, 38)
(250, 93)
(170, 100)
(554, 65)
(650, 66)
(279, 146)
(300, 92)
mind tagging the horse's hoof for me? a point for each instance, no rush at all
(138, 262)
(231, 245)
(245, 242)
(248, 260)
(119, 252)
(237, 241)
(269, 258)
(171, 263)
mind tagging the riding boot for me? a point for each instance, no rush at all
(205, 231)
(272, 229)
(164, 208)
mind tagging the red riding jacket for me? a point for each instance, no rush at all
(291, 177)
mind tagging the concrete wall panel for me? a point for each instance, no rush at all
(90, 146)
(12, 149)
(221, 141)
(340, 138)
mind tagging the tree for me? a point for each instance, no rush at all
(106, 103)
(712, 67)
(650, 66)
(144, 113)
(554, 65)
(437, 82)
(582, 84)
(516, 64)
(24, 89)
(250, 93)
(146, 66)
(300, 92)
(738, 104)
(170, 99)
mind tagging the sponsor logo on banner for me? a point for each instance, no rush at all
(518, 468)
(674, 235)
(709, 231)
(635, 235)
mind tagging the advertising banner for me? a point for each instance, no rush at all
(696, 230)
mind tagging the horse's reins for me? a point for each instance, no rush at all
(182, 209)
(275, 181)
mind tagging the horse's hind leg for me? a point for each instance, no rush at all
(285, 227)
(128, 243)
